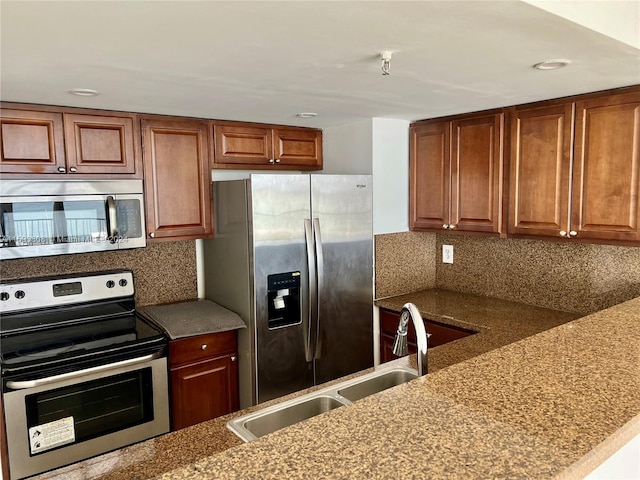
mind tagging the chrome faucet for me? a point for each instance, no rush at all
(400, 342)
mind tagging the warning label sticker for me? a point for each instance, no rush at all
(50, 435)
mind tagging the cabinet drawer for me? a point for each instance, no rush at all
(201, 347)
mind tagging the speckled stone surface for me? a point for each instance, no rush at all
(187, 319)
(510, 413)
(570, 276)
(533, 409)
(164, 272)
(498, 322)
(405, 262)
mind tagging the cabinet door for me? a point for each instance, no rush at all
(242, 145)
(298, 147)
(476, 174)
(100, 144)
(607, 169)
(177, 179)
(32, 142)
(429, 176)
(204, 390)
(540, 170)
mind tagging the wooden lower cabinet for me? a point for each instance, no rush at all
(203, 378)
(440, 334)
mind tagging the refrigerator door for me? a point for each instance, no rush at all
(342, 212)
(280, 205)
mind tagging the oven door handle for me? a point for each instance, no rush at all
(20, 385)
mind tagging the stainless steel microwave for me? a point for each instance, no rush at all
(53, 217)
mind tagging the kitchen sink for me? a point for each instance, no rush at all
(269, 419)
(376, 384)
(254, 425)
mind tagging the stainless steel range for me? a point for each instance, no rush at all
(82, 374)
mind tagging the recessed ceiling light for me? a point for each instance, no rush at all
(306, 114)
(552, 64)
(84, 92)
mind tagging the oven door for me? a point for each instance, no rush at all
(63, 419)
(61, 224)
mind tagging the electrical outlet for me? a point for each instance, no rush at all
(447, 253)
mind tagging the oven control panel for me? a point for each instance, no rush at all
(50, 292)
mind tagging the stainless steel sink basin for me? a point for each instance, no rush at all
(376, 384)
(254, 425)
(262, 422)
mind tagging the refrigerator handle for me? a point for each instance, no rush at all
(309, 315)
(320, 274)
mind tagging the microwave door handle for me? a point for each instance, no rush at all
(112, 219)
(20, 385)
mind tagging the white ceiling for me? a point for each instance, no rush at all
(265, 61)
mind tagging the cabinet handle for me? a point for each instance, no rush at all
(277, 160)
(573, 233)
(271, 160)
(62, 170)
(203, 346)
(445, 226)
(73, 169)
(563, 233)
(233, 358)
(152, 235)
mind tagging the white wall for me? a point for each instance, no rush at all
(618, 19)
(390, 175)
(347, 148)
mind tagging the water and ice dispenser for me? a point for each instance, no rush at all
(283, 290)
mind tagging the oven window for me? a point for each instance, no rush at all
(96, 408)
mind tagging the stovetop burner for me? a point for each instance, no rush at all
(57, 335)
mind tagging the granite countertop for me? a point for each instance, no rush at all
(498, 322)
(187, 319)
(555, 404)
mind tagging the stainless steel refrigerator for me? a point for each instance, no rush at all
(293, 256)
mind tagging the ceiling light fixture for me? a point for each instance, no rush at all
(306, 114)
(385, 60)
(552, 64)
(84, 92)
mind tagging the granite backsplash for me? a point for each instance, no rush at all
(164, 272)
(405, 262)
(576, 277)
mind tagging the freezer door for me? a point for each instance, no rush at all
(342, 218)
(280, 206)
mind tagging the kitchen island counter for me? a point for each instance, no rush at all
(555, 404)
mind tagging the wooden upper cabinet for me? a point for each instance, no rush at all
(100, 144)
(430, 176)
(32, 142)
(255, 146)
(242, 145)
(56, 143)
(476, 174)
(456, 172)
(298, 147)
(606, 171)
(177, 179)
(540, 170)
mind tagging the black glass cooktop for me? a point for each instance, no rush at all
(69, 339)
